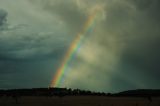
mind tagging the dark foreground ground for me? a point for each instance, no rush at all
(79, 101)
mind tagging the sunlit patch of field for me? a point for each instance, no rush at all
(78, 101)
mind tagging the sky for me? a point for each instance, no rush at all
(121, 53)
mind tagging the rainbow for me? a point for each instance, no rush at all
(75, 45)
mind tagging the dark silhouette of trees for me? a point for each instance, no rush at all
(61, 92)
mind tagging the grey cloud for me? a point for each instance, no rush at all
(33, 73)
(28, 47)
(128, 40)
(141, 35)
(121, 53)
(68, 11)
(3, 17)
(16, 44)
(142, 4)
(23, 41)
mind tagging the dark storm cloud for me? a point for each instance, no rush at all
(141, 34)
(27, 50)
(3, 17)
(27, 46)
(67, 11)
(22, 42)
(28, 74)
(125, 48)
(143, 48)
(142, 4)
(122, 52)
(129, 36)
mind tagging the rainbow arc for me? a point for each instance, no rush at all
(75, 45)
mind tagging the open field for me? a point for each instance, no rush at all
(79, 101)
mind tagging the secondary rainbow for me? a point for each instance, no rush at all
(75, 45)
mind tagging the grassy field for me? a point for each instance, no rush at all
(78, 101)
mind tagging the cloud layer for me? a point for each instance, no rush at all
(121, 53)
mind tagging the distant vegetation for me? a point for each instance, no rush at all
(48, 92)
(74, 92)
